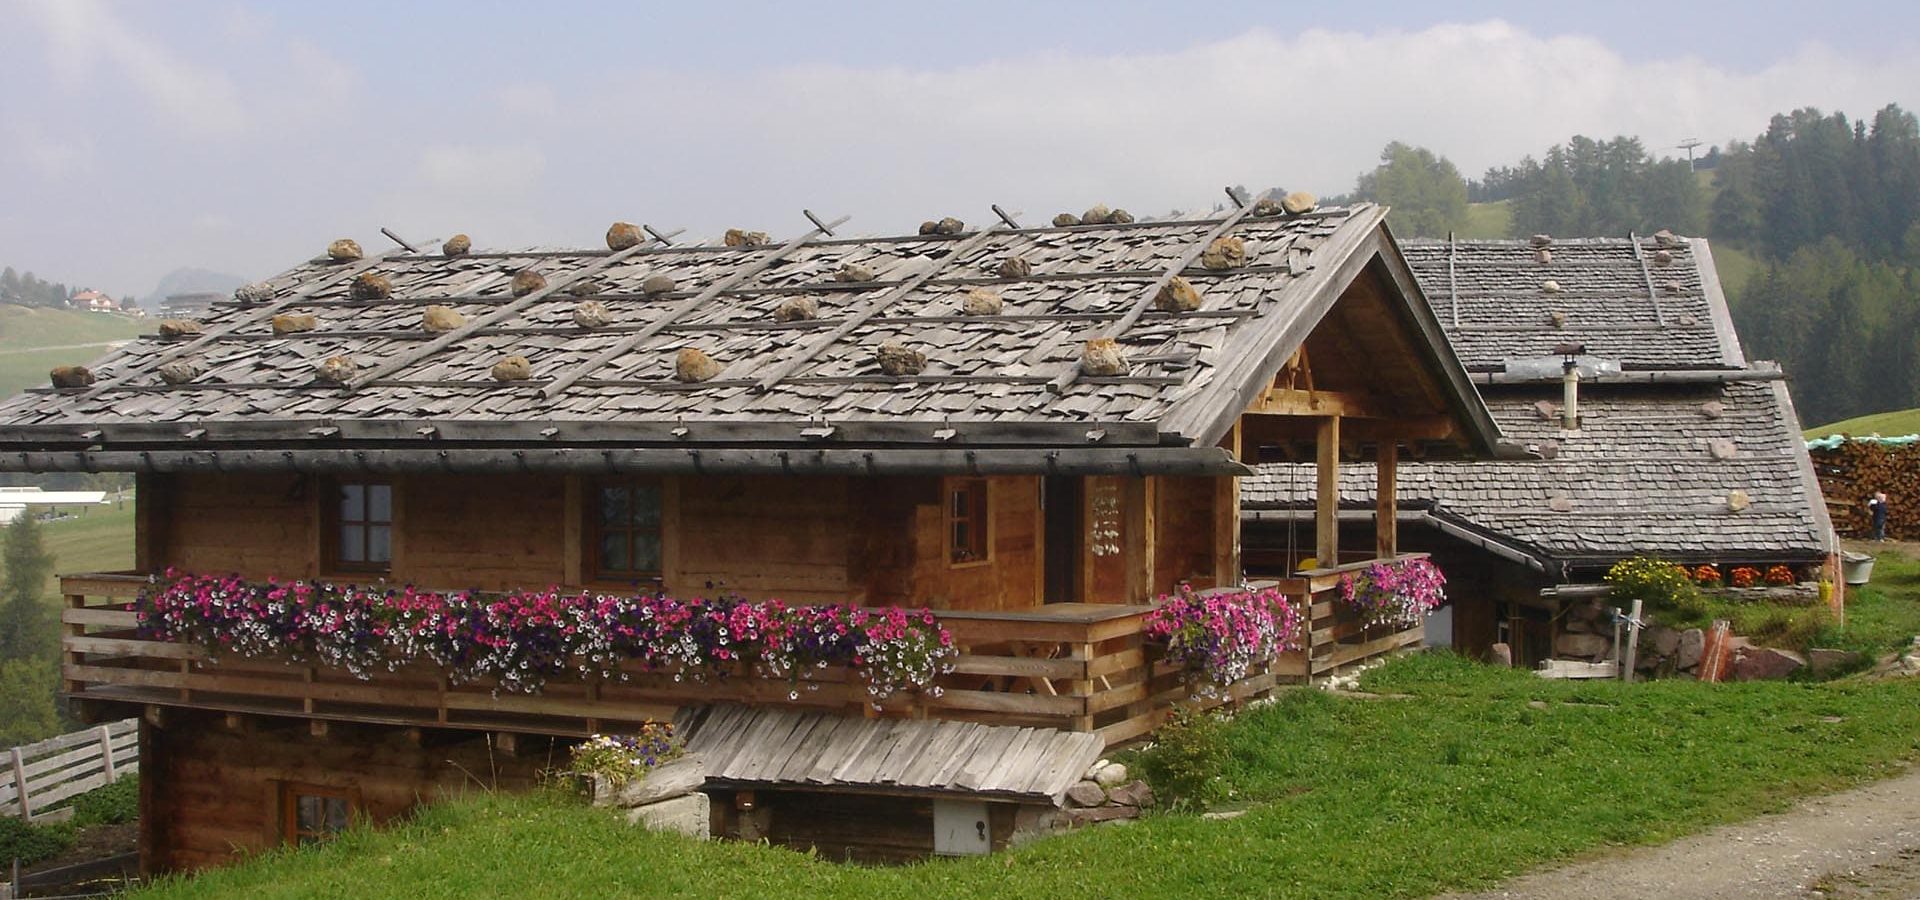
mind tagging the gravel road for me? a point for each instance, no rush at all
(1862, 843)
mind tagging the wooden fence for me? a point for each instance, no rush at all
(37, 778)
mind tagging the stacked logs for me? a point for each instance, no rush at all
(1851, 472)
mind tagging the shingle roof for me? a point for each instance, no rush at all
(1492, 299)
(797, 749)
(1005, 379)
(1640, 476)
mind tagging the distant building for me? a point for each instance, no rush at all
(95, 301)
(15, 500)
(188, 306)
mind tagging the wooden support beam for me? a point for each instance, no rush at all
(1144, 299)
(151, 501)
(560, 282)
(814, 348)
(682, 308)
(342, 275)
(1386, 527)
(1226, 518)
(318, 727)
(1326, 518)
(1295, 402)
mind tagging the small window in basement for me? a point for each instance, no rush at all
(311, 813)
(967, 520)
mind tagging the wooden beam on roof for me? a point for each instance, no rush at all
(396, 363)
(1653, 293)
(788, 366)
(267, 312)
(1295, 402)
(1145, 298)
(682, 308)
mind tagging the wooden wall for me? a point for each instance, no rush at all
(212, 794)
(257, 525)
(509, 535)
(1183, 547)
(803, 539)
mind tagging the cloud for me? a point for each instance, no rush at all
(88, 35)
(450, 140)
(530, 100)
(466, 167)
(51, 156)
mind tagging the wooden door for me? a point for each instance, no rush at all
(1061, 506)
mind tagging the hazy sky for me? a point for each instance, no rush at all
(139, 137)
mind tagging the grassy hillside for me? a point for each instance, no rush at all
(91, 539)
(1482, 774)
(1887, 424)
(33, 340)
(1487, 220)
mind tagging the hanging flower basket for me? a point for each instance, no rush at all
(1394, 594)
(1223, 637)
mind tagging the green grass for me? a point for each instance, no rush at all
(1487, 220)
(1483, 774)
(1887, 424)
(93, 539)
(25, 329)
(1737, 267)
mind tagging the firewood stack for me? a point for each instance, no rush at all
(1850, 473)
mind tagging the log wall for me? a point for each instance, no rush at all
(803, 539)
(211, 793)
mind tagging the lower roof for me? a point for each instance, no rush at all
(823, 751)
(1647, 473)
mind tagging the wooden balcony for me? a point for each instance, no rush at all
(1072, 666)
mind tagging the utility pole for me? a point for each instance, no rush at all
(1688, 146)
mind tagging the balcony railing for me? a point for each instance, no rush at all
(1071, 666)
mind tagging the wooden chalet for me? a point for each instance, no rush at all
(1677, 445)
(1037, 509)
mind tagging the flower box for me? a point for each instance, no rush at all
(517, 642)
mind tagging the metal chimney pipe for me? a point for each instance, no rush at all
(1570, 396)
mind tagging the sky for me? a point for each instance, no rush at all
(136, 138)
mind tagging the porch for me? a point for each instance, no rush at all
(1083, 667)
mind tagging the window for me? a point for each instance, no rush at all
(360, 525)
(310, 813)
(623, 520)
(967, 521)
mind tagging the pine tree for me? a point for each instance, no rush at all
(27, 629)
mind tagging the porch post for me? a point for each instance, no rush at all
(1226, 519)
(1386, 519)
(1326, 512)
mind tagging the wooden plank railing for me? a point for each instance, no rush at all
(1078, 667)
(37, 779)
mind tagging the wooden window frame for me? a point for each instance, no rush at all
(331, 522)
(592, 530)
(979, 516)
(291, 793)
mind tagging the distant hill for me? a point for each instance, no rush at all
(1886, 424)
(191, 281)
(35, 339)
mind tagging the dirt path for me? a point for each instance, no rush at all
(1858, 844)
(64, 347)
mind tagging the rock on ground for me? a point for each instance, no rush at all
(688, 815)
